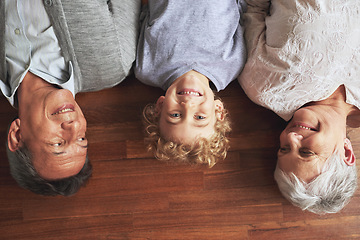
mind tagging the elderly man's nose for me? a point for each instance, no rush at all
(71, 125)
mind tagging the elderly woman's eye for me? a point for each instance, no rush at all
(306, 152)
(57, 144)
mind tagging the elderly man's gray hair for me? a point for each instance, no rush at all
(327, 193)
(23, 171)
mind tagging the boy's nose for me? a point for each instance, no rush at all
(188, 104)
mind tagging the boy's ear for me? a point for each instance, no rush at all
(219, 110)
(159, 104)
(349, 153)
(14, 137)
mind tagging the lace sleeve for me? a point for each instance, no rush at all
(321, 51)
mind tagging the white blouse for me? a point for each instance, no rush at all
(301, 51)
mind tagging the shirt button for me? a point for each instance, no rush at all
(48, 2)
(17, 31)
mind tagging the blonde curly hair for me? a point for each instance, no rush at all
(203, 151)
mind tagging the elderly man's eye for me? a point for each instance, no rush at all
(57, 144)
(284, 149)
(81, 139)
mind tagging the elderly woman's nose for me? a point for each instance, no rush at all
(294, 137)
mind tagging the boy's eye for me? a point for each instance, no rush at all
(198, 117)
(175, 115)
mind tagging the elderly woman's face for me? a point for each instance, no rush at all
(309, 139)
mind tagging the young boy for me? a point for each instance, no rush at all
(185, 47)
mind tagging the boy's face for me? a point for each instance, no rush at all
(187, 111)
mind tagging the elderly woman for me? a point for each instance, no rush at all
(304, 64)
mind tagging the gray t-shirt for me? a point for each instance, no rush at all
(179, 36)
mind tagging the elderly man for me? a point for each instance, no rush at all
(49, 51)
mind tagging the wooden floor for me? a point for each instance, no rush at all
(133, 196)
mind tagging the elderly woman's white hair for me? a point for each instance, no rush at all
(327, 193)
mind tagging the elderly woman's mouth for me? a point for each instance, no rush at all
(304, 126)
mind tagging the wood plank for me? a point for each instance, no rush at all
(69, 228)
(249, 197)
(88, 206)
(313, 229)
(210, 217)
(144, 183)
(227, 232)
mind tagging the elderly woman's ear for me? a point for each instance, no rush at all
(349, 153)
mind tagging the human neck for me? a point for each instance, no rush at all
(337, 102)
(30, 88)
(202, 78)
(194, 75)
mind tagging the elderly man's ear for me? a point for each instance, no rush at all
(14, 137)
(349, 153)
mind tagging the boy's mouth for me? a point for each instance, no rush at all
(64, 109)
(190, 92)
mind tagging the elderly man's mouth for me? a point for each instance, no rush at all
(64, 109)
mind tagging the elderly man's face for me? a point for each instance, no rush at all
(309, 139)
(53, 128)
